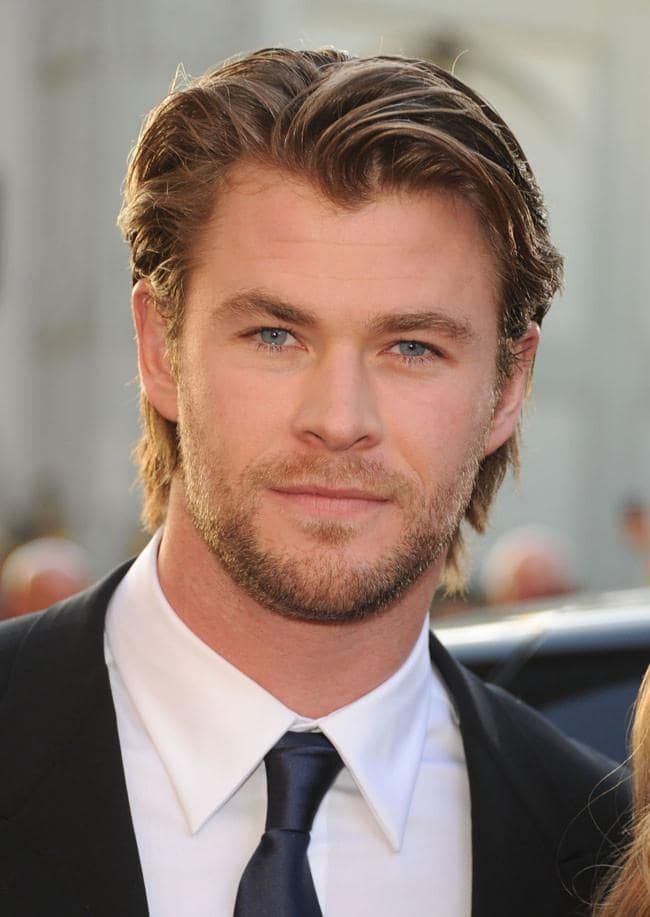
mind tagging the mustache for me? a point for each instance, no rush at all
(322, 471)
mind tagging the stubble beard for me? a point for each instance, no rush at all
(321, 584)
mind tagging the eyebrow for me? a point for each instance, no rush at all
(432, 320)
(251, 303)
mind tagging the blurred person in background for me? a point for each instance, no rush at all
(41, 572)
(635, 526)
(526, 564)
(627, 894)
(339, 268)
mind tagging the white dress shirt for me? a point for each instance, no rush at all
(391, 837)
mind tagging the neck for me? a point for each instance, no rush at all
(311, 668)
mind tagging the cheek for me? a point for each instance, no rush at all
(236, 412)
(437, 431)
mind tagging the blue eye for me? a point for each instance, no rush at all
(273, 336)
(413, 349)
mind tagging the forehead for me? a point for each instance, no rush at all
(401, 249)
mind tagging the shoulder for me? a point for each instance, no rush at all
(569, 770)
(576, 801)
(516, 731)
(12, 634)
(52, 676)
(37, 646)
(576, 795)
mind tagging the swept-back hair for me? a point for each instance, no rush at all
(354, 128)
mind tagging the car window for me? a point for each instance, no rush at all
(600, 717)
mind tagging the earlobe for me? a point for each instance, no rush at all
(513, 392)
(156, 376)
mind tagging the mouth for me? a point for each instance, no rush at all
(331, 493)
(335, 502)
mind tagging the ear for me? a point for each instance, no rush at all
(156, 376)
(513, 392)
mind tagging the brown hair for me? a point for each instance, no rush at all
(627, 893)
(353, 128)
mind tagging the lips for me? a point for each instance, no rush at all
(334, 503)
(331, 493)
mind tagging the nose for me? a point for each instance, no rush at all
(337, 407)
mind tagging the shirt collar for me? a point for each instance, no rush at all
(212, 725)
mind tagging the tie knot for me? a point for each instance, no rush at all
(300, 769)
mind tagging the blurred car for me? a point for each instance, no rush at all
(580, 663)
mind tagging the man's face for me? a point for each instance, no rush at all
(336, 390)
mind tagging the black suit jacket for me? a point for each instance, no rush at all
(545, 812)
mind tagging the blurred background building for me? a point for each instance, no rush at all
(571, 78)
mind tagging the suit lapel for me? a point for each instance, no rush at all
(491, 853)
(63, 796)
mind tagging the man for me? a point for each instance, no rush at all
(340, 268)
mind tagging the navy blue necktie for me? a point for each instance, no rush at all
(277, 881)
